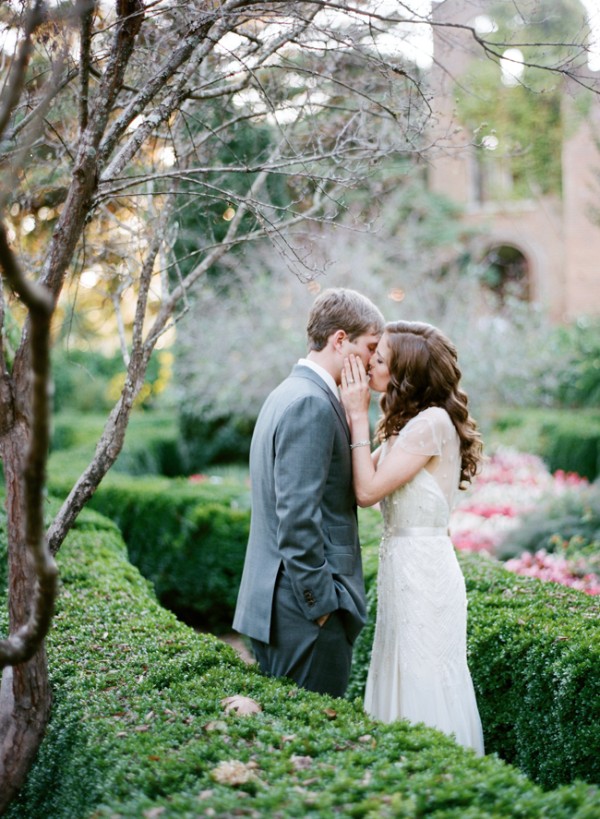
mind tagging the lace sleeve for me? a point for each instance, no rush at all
(421, 436)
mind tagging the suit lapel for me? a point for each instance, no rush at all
(305, 372)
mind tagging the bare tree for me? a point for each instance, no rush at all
(110, 113)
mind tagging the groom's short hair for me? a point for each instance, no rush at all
(339, 308)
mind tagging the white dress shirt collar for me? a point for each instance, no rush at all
(322, 373)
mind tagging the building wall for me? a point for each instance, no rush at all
(581, 197)
(560, 239)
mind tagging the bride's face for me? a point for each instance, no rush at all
(378, 366)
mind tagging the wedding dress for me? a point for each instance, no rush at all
(418, 667)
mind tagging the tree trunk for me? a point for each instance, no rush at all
(25, 691)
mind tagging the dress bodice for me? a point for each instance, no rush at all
(428, 498)
(418, 503)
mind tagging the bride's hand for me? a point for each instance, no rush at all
(354, 387)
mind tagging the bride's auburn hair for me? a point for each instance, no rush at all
(424, 373)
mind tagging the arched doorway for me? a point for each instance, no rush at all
(505, 271)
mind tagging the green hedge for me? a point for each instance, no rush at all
(189, 539)
(138, 728)
(565, 439)
(152, 445)
(210, 441)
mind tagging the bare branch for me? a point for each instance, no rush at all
(189, 44)
(113, 436)
(86, 10)
(12, 93)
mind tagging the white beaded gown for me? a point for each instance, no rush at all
(418, 668)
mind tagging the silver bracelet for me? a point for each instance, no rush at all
(360, 443)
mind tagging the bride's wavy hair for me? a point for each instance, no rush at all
(424, 373)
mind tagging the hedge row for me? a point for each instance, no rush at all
(152, 445)
(158, 444)
(138, 727)
(565, 439)
(534, 647)
(188, 539)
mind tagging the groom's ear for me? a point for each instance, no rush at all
(337, 340)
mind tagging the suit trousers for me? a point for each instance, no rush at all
(317, 658)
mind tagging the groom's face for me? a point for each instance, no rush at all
(364, 346)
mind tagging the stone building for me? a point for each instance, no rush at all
(550, 242)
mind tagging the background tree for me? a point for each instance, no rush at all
(520, 153)
(106, 111)
(407, 263)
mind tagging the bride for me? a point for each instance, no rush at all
(430, 448)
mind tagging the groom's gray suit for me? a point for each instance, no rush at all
(303, 557)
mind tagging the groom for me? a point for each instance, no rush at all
(302, 598)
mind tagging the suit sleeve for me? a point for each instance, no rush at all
(303, 448)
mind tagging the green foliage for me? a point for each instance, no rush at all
(534, 654)
(575, 450)
(138, 728)
(580, 375)
(528, 145)
(568, 521)
(188, 539)
(152, 446)
(81, 379)
(565, 439)
(211, 440)
(209, 200)
(519, 127)
(89, 381)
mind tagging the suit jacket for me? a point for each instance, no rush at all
(303, 509)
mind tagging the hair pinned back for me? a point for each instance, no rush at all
(424, 373)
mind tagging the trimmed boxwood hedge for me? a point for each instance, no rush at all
(189, 539)
(534, 647)
(138, 728)
(152, 445)
(565, 439)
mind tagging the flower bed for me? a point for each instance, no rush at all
(512, 484)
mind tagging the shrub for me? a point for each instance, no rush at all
(574, 448)
(580, 376)
(189, 539)
(565, 440)
(151, 447)
(572, 516)
(138, 727)
(210, 440)
(176, 534)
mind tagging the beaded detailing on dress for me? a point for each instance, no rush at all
(418, 665)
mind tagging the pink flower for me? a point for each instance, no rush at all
(509, 486)
(569, 478)
(555, 569)
(489, 511)
(474, 542)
